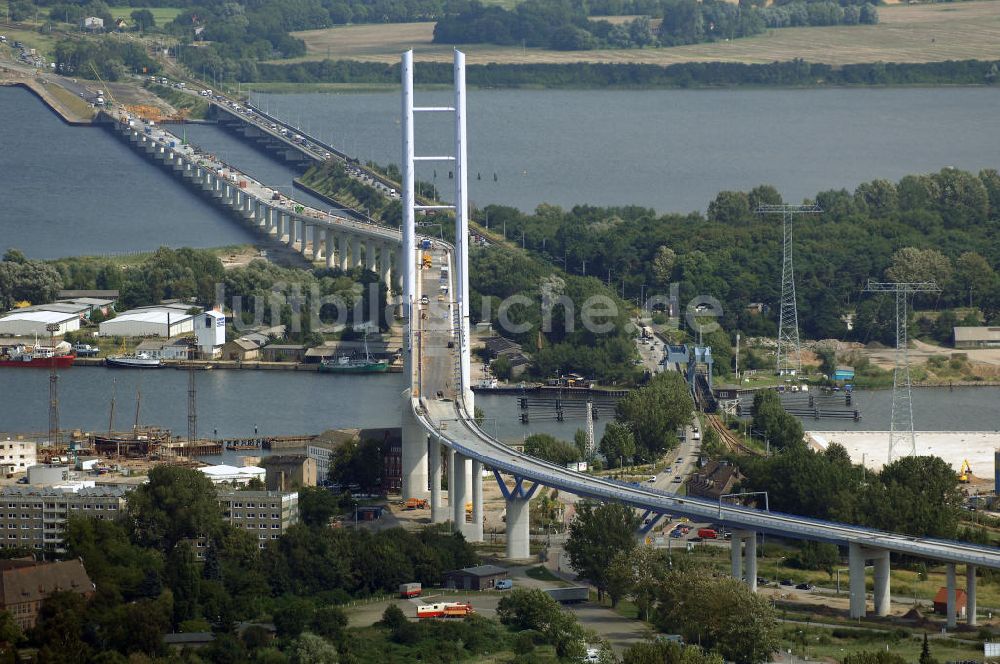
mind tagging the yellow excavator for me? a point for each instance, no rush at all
(965, 474)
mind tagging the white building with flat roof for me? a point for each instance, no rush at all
(240, 476)
(16, 456)
(35, 323)
(160, 321)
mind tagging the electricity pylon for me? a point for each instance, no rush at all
(902, 441)
(788, 316)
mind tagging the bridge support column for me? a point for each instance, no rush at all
(476, 529)
(736, 555)
(370, 248)
(356, 244)
(881, 588)
(414, 455)
(328, 247)
(750, 562)
(385, 266)
(342, 251)
(856, 565)
(438, 513)
(952, 620)
(460, 495)
(317, 233)
(970, 595)
(450, 458)
(518, 519)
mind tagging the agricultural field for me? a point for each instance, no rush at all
(906, 33)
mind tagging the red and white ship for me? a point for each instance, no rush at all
(444, 610)
(42, 357)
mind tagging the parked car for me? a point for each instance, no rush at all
(787, 582)
(805, 586)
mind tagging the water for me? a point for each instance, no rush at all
(672, 150)
(75, 190)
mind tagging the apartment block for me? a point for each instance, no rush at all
(16, 456)
(266, 514)
(34, 517)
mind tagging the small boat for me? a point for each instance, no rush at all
(346, 364)
(42, 357)
(135, 361)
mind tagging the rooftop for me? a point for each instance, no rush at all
(977, 333)
(482, 570)
(40, 316)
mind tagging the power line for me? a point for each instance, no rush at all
(902, 441)
(788, 317)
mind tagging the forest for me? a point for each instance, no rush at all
(566, 26)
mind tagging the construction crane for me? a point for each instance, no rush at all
(965, 474)
(104, 87)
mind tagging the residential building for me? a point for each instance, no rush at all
(35, 323)
(241, 350)
(481, 577)
(25, 584)
(34, 517)
(267, 514)
(977, 337)
(16, 456)
(92, 23)
(285, 472)
(321, 451)
(238, 476)
(164, 320)
(713, 480)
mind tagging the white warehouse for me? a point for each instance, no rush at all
(34, 323)
(157, 321)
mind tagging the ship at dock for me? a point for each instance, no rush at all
(60, 356)
(134, 361)
(346, 364)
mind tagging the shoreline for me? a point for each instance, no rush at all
(40, 91)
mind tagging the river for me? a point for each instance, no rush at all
(672, 150)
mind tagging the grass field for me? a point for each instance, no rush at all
(160, 14)
(906, 33)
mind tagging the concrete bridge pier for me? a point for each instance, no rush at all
(356, 245)
(459, 495)
(450, 459)
(292, 224)
(414, 452)
(438, 513)
(518, 519)
(385, 265)
(744, 567)
(857, 557)
(328, 246)
(342, 251)
(970, 595)
(370, 248)
(317, 236)
(475, 533)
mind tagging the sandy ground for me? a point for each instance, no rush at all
(906, 33)
(873, 446)
(920, 352)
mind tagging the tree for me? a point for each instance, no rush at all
(143, 19)
(176, 503)
(550, 448)
(876, 657)
(782, 429)
(329, 622)
(663, 266)
(293, 616)
(312, 649)
(317, 505)
(912, 264)
(581, 444)
(729, 207)
(533, 609)
(358, 462)
(617, 443)
(59, 629)
(722, 614)
(973, 273)
(10, 633)
(654, 413)
(596, 536)
(666, 652)
(502, 368)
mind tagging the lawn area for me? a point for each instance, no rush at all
(906, 33)
(32, 39)
(160, 14)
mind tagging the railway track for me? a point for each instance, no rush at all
(728, 437)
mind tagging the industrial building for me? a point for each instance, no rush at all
(241, 350)
(26, 584)
(35, 323)
(16, 456)
(210, 334)
(481, 577)
(166, 349)
(165, 320)
(238, 476)
(977, 337)
(285, 472)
